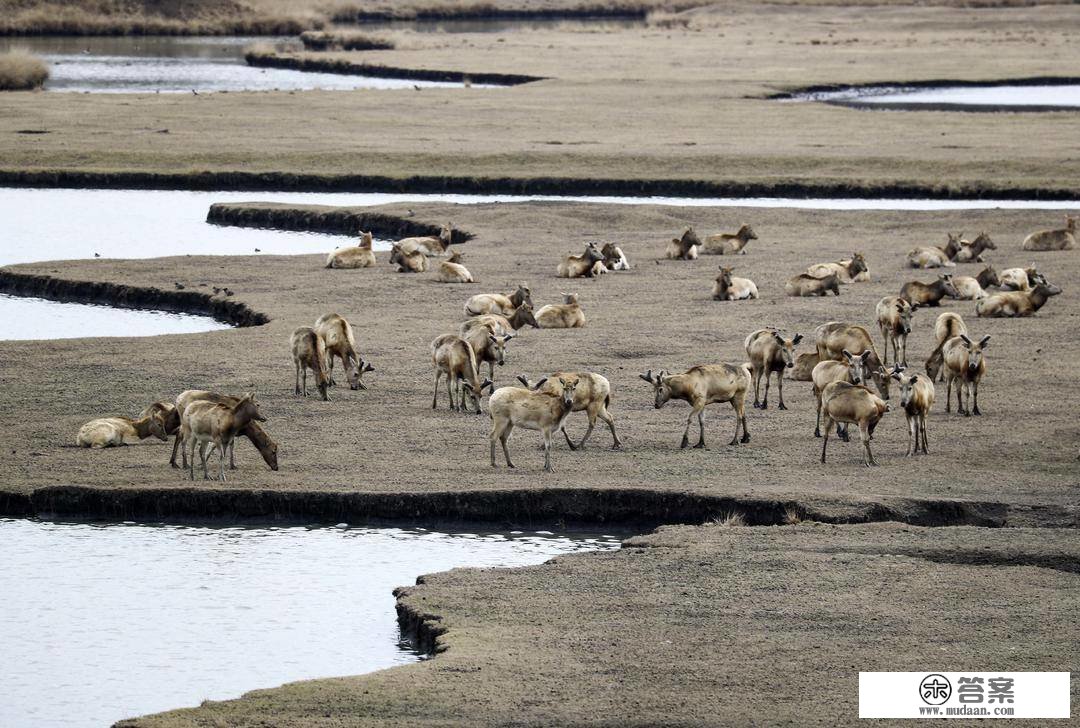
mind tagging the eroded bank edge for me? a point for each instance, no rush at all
(323, 219)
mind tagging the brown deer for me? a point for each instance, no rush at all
(1061, 239)
(353, 256)
(965, 366)
(592, 395)
(684, 247)
(452, 271)
(849, 270)
(730, 243)
(916, 399)
(806, 286)
(337, 336)
(580, 266)
(770, 352)
(929, 294)
(894, 320)
(543, 410)
(309, 352)
(1012, 304)
(973, 288)
(204, 423)
(702, 386)
(852, 404)
(972, 252)
(731, 288)
(565, 315)
(453, 356)
(484, 303)
(947, 326)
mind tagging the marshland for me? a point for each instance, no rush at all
(557, 200)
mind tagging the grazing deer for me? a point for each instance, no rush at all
(203, 423)
(309, 352)
(730, 243)
(894, 320)
(592, 395)
(111, 431)
(916, 398)
(252, 430)
(581, 266)
(852, 404)
(337, 336)
(972, 252)
(452, 271)
(732, 288)
(1061, 239)
(453, 356)
(1014, 304)
(702, 386)
(565, 315)
(965, 365)
(543, 410)
(848, 271)
(770, 352)
(428, 245)
(353, 256)
(806, 286)
(929, 294)
(484, 303)
(684, 247)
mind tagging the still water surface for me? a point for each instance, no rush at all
(103, 622)
(1004, 95)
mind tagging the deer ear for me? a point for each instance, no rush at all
(492, 339)
(797, 339)
(984, 340)
(966, 340)
(865, 355)
(521, 378)
(647, 376)
(914, 378)
(846, 354)
(541, 383)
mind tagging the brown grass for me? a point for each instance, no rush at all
(22, 71)
(314, 40)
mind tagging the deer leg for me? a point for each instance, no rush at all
(817, 425)
(738, 420)
(606, 417)
(330, 369)
(296, 390)
(904, 349)
(922, 428)
(232, 454)
(592, 413)
(435, 399)
(547, 452)
(765, 401)
(221, 448)
(451, 385)
(965, 387)
(825, 441)
(741, 411)
(701, 429)
(757, 388)
(975, 408)
(913, 435)
(202, 459)
(493, 437)
(864, 436)
(780, 389)
(303, 375)
(948, 394)
(175, 447)
(503, 438)
(686, 432)
(190, 464)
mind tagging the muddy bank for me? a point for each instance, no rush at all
(377, 70)
(288, 182)
(123, 296)
(606, 11)
(703, 626)
(324, 219)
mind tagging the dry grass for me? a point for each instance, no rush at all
(22, 71)
(732, 519)
(792, 517)
(314, 40)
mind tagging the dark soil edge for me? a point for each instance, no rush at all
(568, 186)
(587, 12)
(559, 507)
(121, 296)
(333, 220)
(929, 83)
(345, 67)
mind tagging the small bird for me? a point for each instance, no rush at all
(257, 250)
(97, 255)
(228, 292)
(416, 87)
(194, 92)
(179, 286)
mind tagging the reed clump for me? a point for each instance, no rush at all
(22, 71)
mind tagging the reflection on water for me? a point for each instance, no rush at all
(102, 622)
(178, 65)
(1065, 96)
(37, 318)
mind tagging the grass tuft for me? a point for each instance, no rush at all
(733, 519)
(344, 41)
(22, 71)
(792, 517)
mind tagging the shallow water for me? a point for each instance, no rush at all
(37, 318)
(156, 64)
(103, 622)
(1003, 95)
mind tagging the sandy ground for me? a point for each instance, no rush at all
(659, 315)
(706, 626)
(683, 103)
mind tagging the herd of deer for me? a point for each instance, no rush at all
(842, 367)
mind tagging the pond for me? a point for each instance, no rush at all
(37, 318)
(971, 97)
(102, 622)
(167, 64)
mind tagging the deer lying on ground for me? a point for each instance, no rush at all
(806, 285)
(483, 303)
(916, 399)
(970, 288)
(770, 352)
(337, 336)
(1016, 303)
(965, 366)
(850, 270)
(544, 410)
(684, 247)
(946, 327)
(309, 352)
(732, 288)
(353, 256)
(408, 261)
(972, 252)
(565, 315)
(1061, 239)
(832, 338)
(853, 369)
(253, 431)
(111, 431)
(614, 259)
(929, 294)
(428, 245)
(702, 386)
(852, 404)
(894, 320)
(931, 256)
(203, 423)
(522, 317)
(592, 395)
(453, 357)
(452, 271)
(729, 243)
(804, 367)
(1020, 279)
(581, 266)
